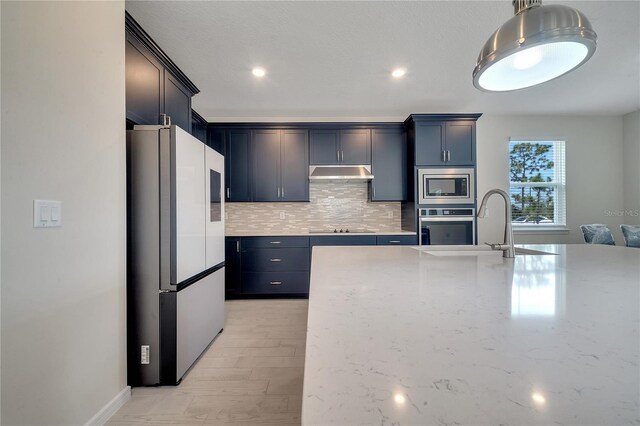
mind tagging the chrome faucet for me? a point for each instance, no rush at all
(507, 247)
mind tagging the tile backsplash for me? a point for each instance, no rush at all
(331, 205)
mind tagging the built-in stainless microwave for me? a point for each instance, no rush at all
(446, 186)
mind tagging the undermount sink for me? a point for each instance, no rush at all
(531, 252)
(463, 253)
(469, 250)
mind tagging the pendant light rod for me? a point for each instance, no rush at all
(522, 5)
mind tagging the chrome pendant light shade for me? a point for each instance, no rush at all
(538, 44)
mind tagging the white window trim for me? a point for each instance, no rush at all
(560, 185)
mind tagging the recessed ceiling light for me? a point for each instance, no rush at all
(258, 72)
(398, 73)
(538, 398)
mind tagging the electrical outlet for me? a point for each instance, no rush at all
(282, 216)
(144, 354)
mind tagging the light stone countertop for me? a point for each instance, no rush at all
(399, 336)
(305, 233)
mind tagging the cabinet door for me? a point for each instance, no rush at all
(177, 102)
(460, 137)
(294, 154)
(429, 144)
(189, 205)
(237, 165)
(215, 139)
(266, 171)
(343, 240)
(388, 165)
(323, 147)
(355, 146)
(232, 266)
(144, 82)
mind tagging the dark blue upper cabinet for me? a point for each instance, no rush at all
(388, 165)
(281, 170)
(294, 162)
(266, 172)
(430, 145)
(355, 146)
(177, 102)
(154, 83)
(199, 127)
(215, 139)
(340, 146)
(324, 147)
(237, 165)
(461, 143)
(443, 139)
(144, 83)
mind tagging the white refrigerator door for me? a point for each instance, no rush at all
(189, 205)
(214, 209)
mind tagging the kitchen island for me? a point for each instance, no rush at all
(401, 336)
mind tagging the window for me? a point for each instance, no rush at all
(537, 183)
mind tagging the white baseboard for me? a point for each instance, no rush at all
(102, 416)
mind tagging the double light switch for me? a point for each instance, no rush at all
(47, 214)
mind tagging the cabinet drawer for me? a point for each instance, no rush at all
(397, 240)
(268, 259)
(275, 282)
(347, 240)
(275, 242)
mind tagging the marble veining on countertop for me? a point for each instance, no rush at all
(400, 336)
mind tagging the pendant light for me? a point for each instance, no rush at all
(538, 44)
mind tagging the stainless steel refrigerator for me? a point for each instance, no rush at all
(175, 252)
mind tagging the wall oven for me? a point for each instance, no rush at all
(446, 186)
(455, 226)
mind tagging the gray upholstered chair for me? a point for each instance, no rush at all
(631, 234)
(597, 233)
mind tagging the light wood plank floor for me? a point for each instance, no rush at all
(251, 375)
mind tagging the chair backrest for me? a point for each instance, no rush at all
(597, 233)
(631, 234)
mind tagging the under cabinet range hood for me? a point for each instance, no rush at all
(340, 173)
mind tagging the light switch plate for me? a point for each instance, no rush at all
(47, 214)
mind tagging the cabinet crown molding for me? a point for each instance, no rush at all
(132, 26)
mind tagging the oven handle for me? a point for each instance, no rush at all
(447, 219)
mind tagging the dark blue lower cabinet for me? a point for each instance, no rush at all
(266, 283)
(397, 240)
(275, 266)
(280, 259)
(343, 240)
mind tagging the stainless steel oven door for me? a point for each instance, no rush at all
(447, 231)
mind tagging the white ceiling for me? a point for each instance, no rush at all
(332, 60)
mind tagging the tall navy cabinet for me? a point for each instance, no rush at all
(388, 164)
(155, 86)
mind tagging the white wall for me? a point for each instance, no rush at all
(594, 170)
(631, 154)
(63, 138)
